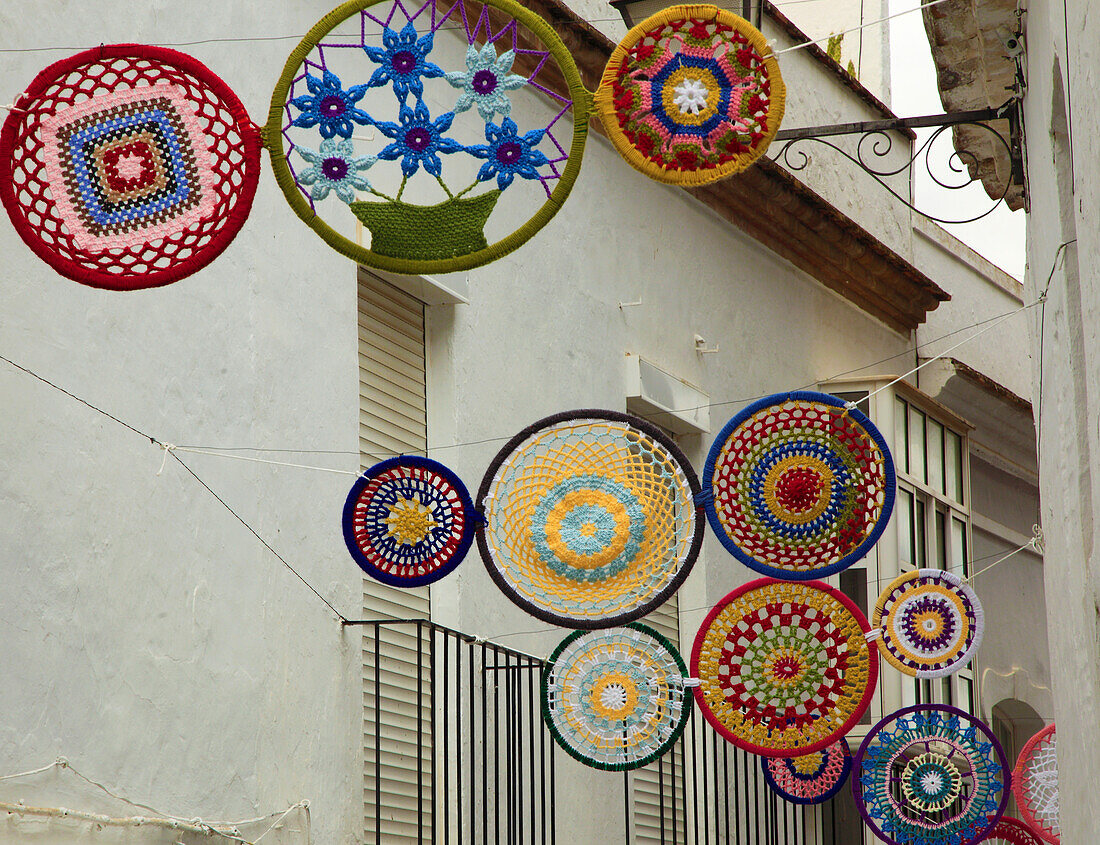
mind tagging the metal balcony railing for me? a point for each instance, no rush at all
(455, 751)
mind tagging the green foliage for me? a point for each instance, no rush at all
(833, 47)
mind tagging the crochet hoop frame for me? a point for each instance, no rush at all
(798, 486)
(273, 140)
(408, 521)
(926, 755)
(932, 623)
(191, 238)
(811, 779)
(612, 691)
(691, 89)
(604, 529)
(1035, 785)
(802, 647)
(1010, 831)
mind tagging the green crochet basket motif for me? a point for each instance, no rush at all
(422, 239)
(428, 232)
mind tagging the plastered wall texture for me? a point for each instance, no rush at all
(147, 635)
(1062, 102)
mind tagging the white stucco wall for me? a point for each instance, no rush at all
(979, 292)
(151, 639)
(1064, 190)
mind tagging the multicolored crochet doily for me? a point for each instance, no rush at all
(408, 521)
(458, 119)
(786, 668)
(812, 778)
(930, 775)
(932, 623)
(128, 166)
(1035, 784)
(799, 486)
(615, 699)
(1010, 831)
(691, 95)
(590, 518)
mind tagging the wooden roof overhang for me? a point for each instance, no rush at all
(777, 210)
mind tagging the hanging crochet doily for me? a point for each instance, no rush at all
(1010, 831)
(786, 668)
(930, 775)
(408, 521)
(590, 518)
(1035, 784)
(931, 622)
(691, 95)
(128, 166)
(615, 699)
(799, 486)
(811, 778)
(430, 136)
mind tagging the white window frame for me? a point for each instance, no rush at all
(885, 562)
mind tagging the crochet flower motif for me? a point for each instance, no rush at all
(486, 81)
(335, 169)
(330, 108)
(508, 154)
(403, 61)
(418, 140)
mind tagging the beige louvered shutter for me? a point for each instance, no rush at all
(392, 420)
(658, 789)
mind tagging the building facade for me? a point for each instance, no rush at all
(170, 651)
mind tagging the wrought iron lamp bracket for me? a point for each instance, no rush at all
(875, 145)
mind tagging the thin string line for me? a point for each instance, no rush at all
(739, 401)
(950, 349)
(169, 449)
(78, 399)
(254, 533)
(259, 38)
(860, 27)
(218, 828)
(1033, 543)
(1030, 544)
(57, 762)
(219, 454)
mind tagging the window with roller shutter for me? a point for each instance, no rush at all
(397, 720)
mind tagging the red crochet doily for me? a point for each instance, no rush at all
(212, 115)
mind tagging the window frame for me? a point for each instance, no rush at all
(885, 561)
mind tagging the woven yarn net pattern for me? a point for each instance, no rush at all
(1010, 831)
(802, 486)
(128, 166)
(930, 774)
(615, 699)
(811, 778)
(1035, 784)
(932, 623)
(691, 95)
(785, 667)
(590, 522)
(451, 130)
(408, 521)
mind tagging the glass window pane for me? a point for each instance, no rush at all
(905, 526)
(968, 694)
(948, 691)
(960, 563)
(941, 539)
(935, 456)
(952, 460)
(916, 445)
(901, 435)
(920, 551)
